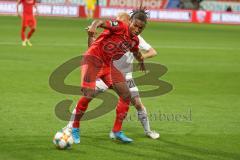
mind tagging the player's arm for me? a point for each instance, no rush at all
(91, 38)
(106, 24)
(150, 53)
(18, 3)
(92, 29)
(148, 50)
(139, 57)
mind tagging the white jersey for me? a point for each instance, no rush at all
(124, 64)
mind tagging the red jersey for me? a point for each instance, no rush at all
(28, 7)
(113, 42)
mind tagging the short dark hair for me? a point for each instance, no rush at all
(140, 13)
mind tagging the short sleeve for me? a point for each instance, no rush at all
(143, 45)
(115, 25)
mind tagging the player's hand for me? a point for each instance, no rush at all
(90, 34)
(142, 66)
(138, 56)
(92, 30)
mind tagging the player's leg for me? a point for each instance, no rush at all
(121, 112)
(32, 25)
(78, 112)
(23, 29)
(143, 117)
(90, 68)
(102, 84)
(121, 88)
(23, 37)
(141, 109)
(81, 107)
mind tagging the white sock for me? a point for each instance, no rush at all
(142, 116)
(70, 122)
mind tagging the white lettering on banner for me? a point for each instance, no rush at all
(173, 15)
(44, 9)
(58, 10)
(230, 17)
(154, 14)
(216, 17)
(61, 10)
(225, 18)
(112, 12)
(73, 11)
(150, 4)
(8, 8)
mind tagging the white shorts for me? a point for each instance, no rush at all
(124, 64)
(102, 87)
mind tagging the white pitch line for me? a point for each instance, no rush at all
(155, 46)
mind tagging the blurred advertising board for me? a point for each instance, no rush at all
(60, 10)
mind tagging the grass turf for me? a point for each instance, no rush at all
(203, 64)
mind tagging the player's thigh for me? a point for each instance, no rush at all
(122, 90)
(24, 22)
(90, 68)
(33, 23)
(119, 83)
(106, 78)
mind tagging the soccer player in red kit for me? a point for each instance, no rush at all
(28, 20)
(113, 42)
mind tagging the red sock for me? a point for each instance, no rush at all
(121, 113)
(30, 33)
(80, 109)
(23, 33)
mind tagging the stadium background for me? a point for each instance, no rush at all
(203, 67)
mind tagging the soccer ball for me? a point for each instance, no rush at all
(63, 139)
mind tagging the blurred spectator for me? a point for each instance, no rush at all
(229, 9)
(190, 4)
(90, 5)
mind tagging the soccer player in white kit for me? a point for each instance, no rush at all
(125, 65)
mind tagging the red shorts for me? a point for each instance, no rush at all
(29, 21)
(93, 68)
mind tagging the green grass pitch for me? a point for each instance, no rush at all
(203, 64)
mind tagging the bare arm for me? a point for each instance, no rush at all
(139, 57)
(150, 53)
(91, 39)
(97, 24)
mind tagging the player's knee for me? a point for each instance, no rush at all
(23, 29)
(87, 92)
(137, 104)
(126, 96)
